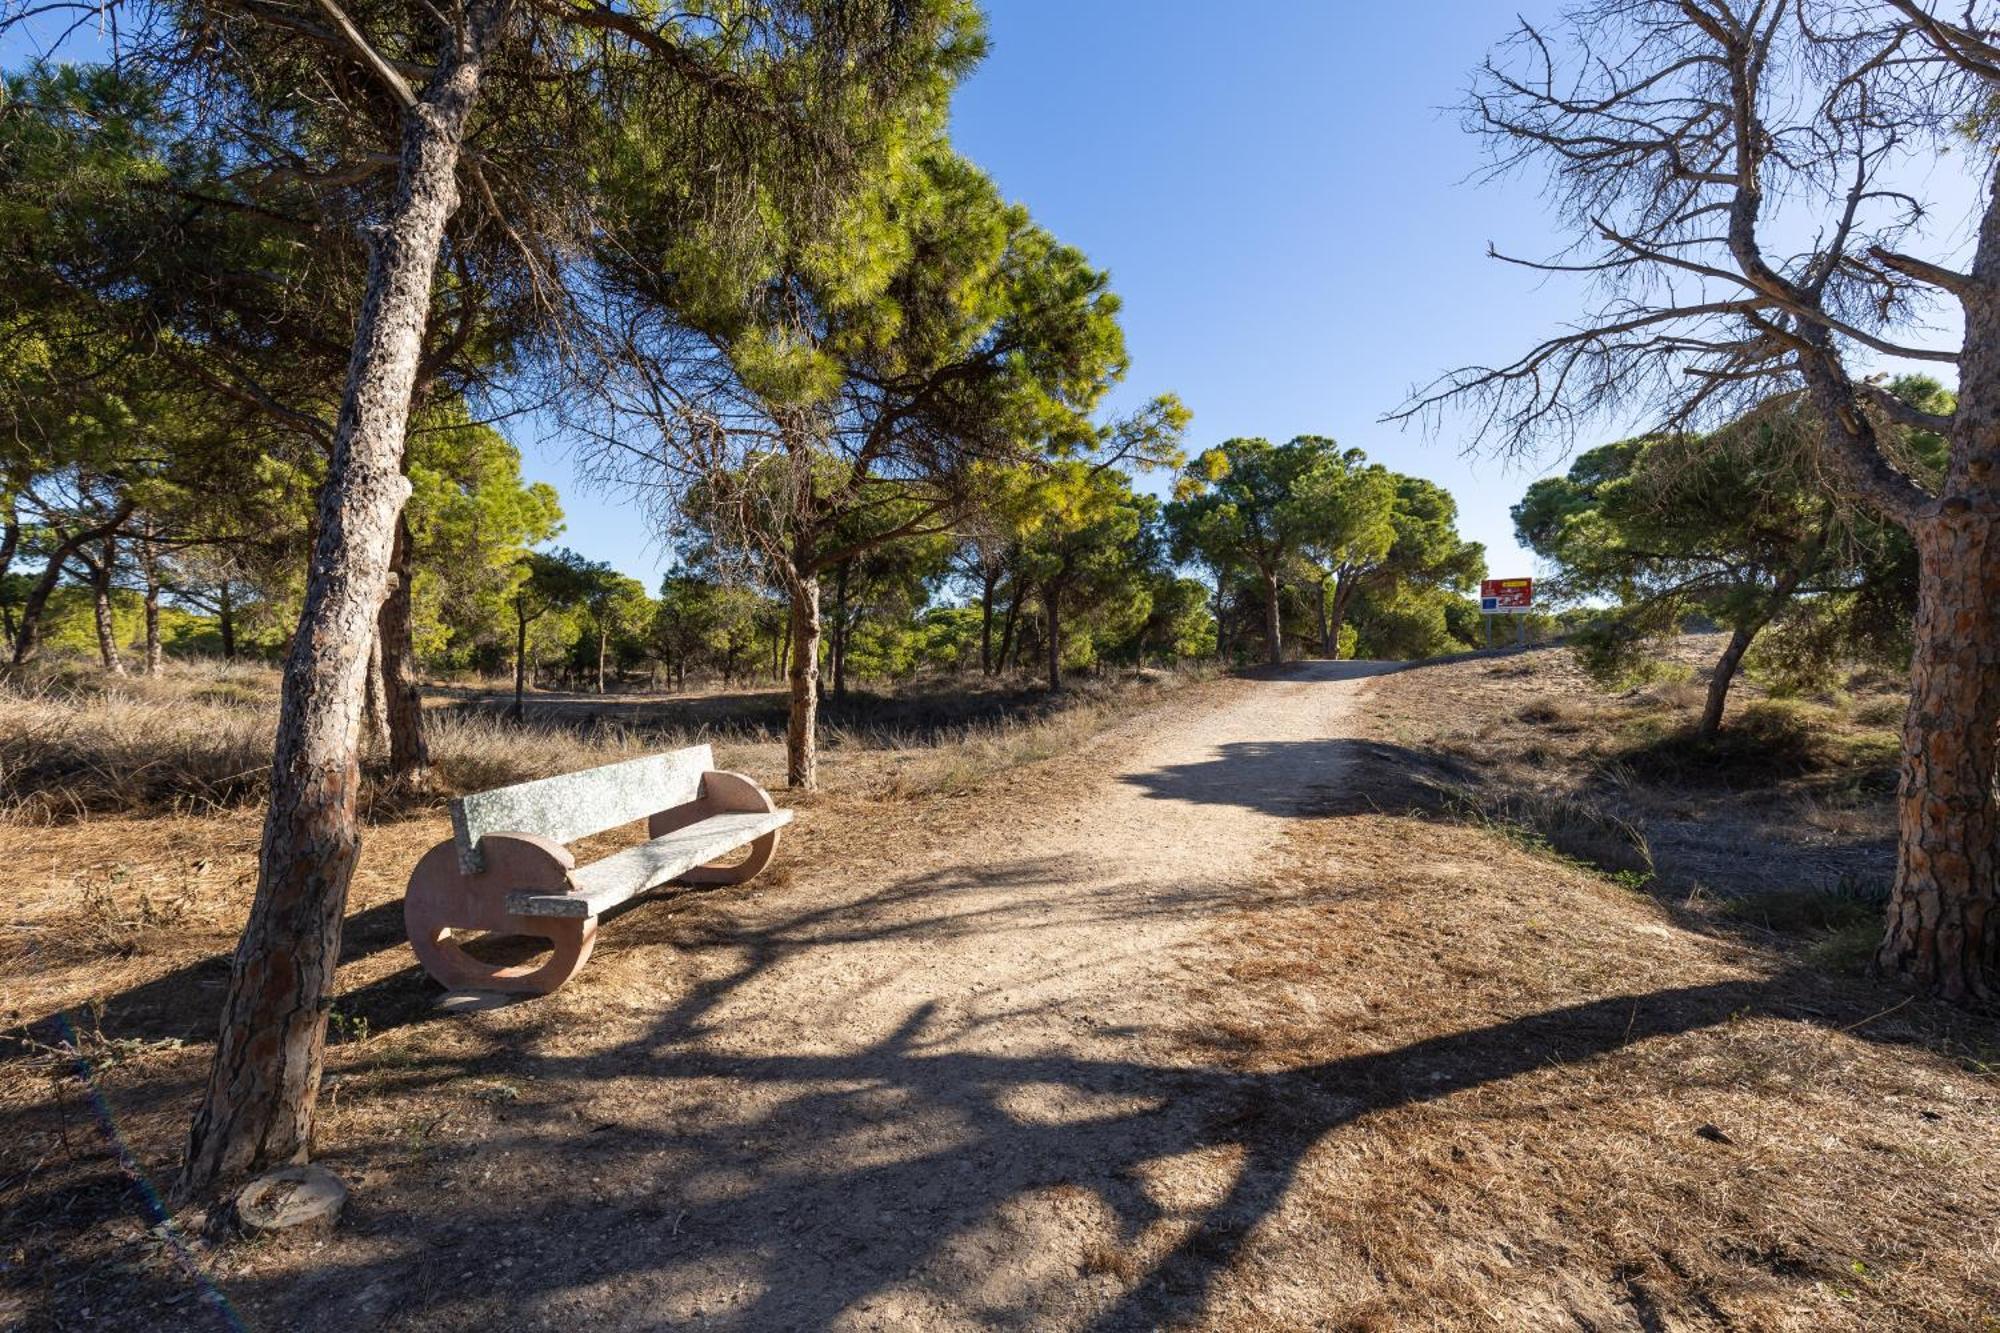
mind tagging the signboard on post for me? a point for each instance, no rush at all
(1507, 597)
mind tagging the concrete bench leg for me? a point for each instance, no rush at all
(722, 792)
(442, 902)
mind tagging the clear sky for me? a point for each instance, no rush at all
(1279, 193)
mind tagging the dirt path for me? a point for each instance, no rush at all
(934, 1099)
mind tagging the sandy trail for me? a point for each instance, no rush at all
(936, 1094)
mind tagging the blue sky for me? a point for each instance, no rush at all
(1279, 193)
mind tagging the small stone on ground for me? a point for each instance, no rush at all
(291, 1199)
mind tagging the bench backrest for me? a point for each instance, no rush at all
(576, 805)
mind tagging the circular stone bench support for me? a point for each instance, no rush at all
(443, 902)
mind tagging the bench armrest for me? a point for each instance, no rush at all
(722, 793)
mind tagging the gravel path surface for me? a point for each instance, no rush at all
(937, 1098)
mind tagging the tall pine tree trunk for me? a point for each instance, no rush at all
(402, 691)
(840, 630)
(521, 619)
(1052, 605)
(102, 570)
(1943, 927)
(374, 705)
(263, 1087)
(802, 726)
(1274, 643)
(1943, 930)
(1328, 647)
(989, 578)
(149, 565)
(1010, 626)
(225, 621)
(1343, 593)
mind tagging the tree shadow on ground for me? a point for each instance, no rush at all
(819, 1182)
(810, 1241)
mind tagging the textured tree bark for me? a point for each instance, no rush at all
(402, 692)
(102, 571)
(840, 630)
(1274, 643)
(986, 586)
(263, 1087)
(225, 621)
(1052, 604)
(802, 726)
(1943, 931)
(1719, 681)
(1010, 625)
(149, 565)
(374, 706)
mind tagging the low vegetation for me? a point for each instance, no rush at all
(1781, 821)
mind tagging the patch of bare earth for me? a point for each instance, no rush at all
(1193, 1025)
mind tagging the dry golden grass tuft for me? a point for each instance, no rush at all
(77, 744)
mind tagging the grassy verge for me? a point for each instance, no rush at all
(76, 744)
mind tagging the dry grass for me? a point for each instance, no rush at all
(76, 744)
(1552, 1108)
(1793, 797)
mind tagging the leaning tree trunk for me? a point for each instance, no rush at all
(1805, 562)
(28, 637)
(402, 692)
(1943, 930)
(802, 726)
(1274, 643)
(263, 1087)
(1719, 681)
(101, 572)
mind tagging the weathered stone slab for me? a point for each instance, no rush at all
(602, 885)
(576, 805)
(291, 1200)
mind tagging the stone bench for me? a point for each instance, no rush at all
(507, 871)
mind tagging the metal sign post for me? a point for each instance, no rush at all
(1507, 597)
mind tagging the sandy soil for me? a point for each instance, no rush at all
(909, 1094)
(1140, 1038)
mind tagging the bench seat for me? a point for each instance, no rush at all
(507, 868)
(602, 885)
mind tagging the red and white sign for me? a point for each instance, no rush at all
(1501, 597)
